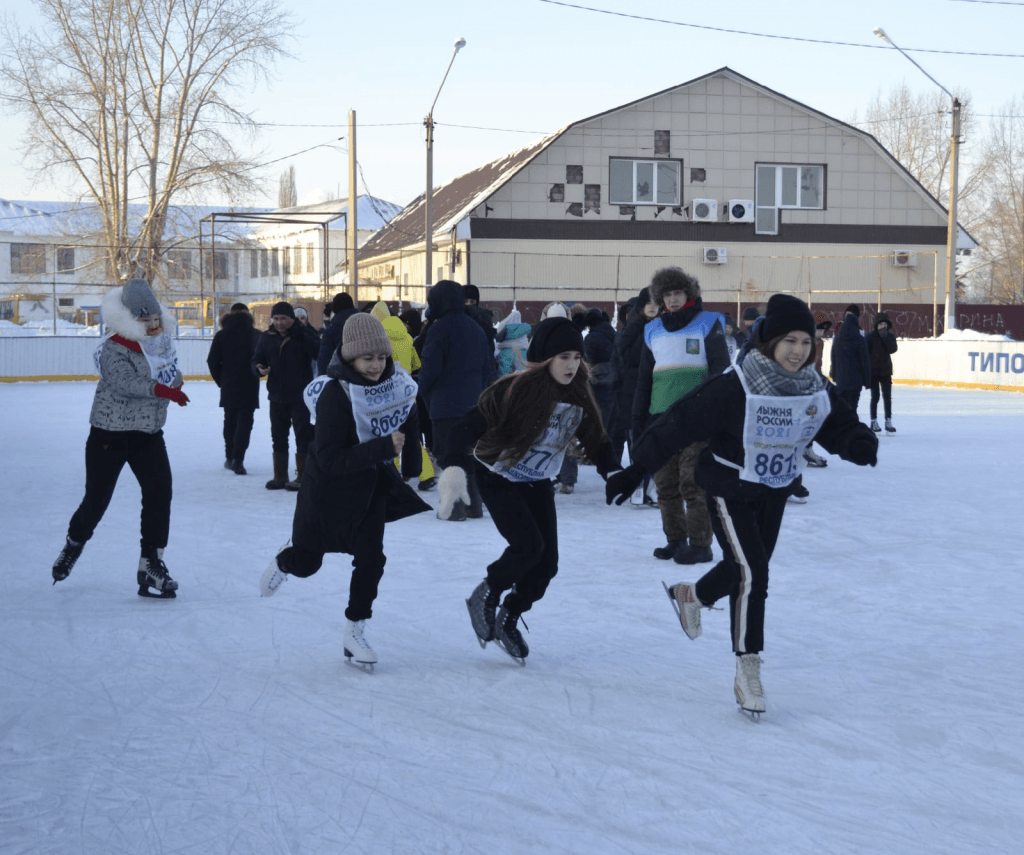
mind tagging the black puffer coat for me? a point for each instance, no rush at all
(341, 471)
(629, 348)
(290, 359)
(230, 361)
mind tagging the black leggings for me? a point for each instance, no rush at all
(883, 384)
(106, 453)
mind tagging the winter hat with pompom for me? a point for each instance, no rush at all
(363, 335)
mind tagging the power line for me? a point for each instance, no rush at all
(773, 36)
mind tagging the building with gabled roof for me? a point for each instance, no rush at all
(748, 189)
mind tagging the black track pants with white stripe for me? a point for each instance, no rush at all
(747, 532)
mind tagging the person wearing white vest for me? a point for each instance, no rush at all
(365, 414)
(757, 420)
(138, 368)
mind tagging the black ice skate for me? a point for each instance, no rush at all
(508, 636)
(66, 560)
(482, 604)
(154, 580)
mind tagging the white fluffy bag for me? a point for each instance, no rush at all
(451, 488)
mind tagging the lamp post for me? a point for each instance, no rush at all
(429, 197)
(954, 163)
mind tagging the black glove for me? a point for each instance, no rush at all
(621, 484)
(863, 450)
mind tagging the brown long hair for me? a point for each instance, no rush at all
(517, 408)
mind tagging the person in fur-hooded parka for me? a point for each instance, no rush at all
(139, 376)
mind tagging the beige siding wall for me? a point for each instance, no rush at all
(725, 127)
(613, 270)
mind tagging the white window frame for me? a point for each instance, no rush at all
(766, 211)
(654, 163)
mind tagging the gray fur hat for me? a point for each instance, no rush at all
(138, 298)
(672, 279)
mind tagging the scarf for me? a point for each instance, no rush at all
(765, 376)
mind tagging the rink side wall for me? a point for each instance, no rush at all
(982, 364)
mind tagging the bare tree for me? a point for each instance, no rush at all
(1001, 228)
(287, 193)
(133, 100)
(915, 128)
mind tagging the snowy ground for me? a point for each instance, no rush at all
(221, 722)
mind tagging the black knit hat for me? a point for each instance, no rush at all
(784, 315)
(283, 308)
(853, 309)
(552, 337)
(751, 314)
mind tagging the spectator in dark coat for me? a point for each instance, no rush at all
(230, 361)
(342, 308)
(284, 355)
(851, 367)
(750, 314)
(598, 351)
(881, 345)
(458, 363)
(484, 317)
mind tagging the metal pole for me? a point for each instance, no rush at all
(353, 219)
(951, 236)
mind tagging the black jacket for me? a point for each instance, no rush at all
(714, 412)
(341, 471)
(629, 348)
(714, 346)
(290, 359)
(230, 362)
(851, 366)
(330, 339)
(881, 346)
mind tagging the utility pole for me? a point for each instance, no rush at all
(353, 224)
(952, 230)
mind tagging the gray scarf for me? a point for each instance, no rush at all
(765, 376)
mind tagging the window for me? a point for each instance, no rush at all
(275, 269)
(254, 263)
(28, 259)
(219, 268)
(65, 259)
(297, 259)
(179, 264)
(264, 263)
(66, 302)
(644, 182)
(786, 186)
(310, 266)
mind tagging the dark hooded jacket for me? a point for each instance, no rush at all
(331, 339)
(851, 366)
(341, 472)
(230, 362)
(629, 348)
(881, 347)
(290, 358)
(457, 360)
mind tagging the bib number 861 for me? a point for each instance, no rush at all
(776, 465)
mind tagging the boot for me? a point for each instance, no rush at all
(66, 560)
(153, 578)
(668, 550)
(875, 427)
(300, 467)
(888, 426)
(689, 553)
(481, 604)
(356, 646)
(749, 692)
(280, 473)
(239, 467)
(507, 634)
(229, 463)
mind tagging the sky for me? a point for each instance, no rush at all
(221, 723)
(531, 67)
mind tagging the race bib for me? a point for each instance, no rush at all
(544, 459)
(160, 353)
(378, 410)
(776, 430)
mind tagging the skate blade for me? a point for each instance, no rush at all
(355, 663)
(753, 715)
(519, 659)
(672, 599)
(156, 595)
(479, 640)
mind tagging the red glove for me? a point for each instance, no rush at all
(176, 395)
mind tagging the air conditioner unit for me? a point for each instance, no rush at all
(715, 255)
(904, 258)
(704, 211)
(741, 211)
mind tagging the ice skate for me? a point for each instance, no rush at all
(273, 577)
(357, 649)
(888, 426)
(814, 460)
(66, 560)
(154, 580)
(875, 427)
(508, 636)
(749, 693)
(799, 495)
(687, 607)
(482, 604)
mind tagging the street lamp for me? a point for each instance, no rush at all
(954, 160)
(429, 198)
